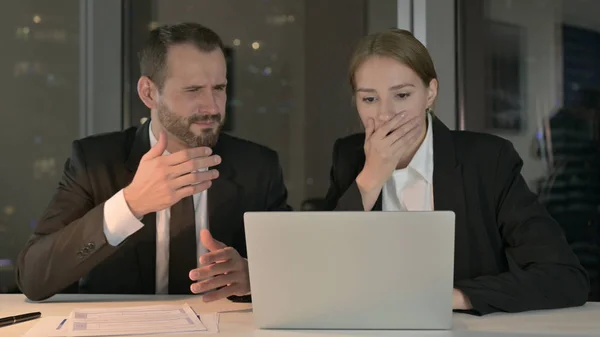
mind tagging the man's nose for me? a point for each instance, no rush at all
(208, 105)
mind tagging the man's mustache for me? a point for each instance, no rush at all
(204, 118)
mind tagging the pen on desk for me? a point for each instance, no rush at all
(10, 320)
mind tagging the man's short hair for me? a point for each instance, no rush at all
(153, 56)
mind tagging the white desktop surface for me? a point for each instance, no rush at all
(236, 318)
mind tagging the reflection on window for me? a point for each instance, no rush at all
(40, 109)
(540, 62)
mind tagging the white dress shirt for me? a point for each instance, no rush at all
(119, 223)
(411, 188)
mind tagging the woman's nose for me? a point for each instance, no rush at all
(385, 115)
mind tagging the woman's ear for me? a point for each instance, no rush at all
(432, 91)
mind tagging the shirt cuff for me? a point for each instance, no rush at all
(119, 222)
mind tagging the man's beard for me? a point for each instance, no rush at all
(180, 127)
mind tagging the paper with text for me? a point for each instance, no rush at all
(54, 326)
(133, 321)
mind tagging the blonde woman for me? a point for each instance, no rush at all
(510, 255)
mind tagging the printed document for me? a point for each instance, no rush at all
(133, 321)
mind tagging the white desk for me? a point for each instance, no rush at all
(236, 319)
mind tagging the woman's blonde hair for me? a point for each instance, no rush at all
(398, 44)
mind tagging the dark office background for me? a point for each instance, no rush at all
(524, 70)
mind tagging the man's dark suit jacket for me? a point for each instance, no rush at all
(68, 251)
(510, 255)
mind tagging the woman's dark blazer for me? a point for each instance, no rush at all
(510, 255)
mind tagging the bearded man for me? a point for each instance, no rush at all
(158, 209)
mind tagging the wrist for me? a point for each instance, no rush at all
(460, 301)
(131, 202)
(366, 183)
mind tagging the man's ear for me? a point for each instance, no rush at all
(147, 91)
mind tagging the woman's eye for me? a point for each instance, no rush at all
(368, 99)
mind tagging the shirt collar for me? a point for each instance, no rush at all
(422, 161)
(153, 139)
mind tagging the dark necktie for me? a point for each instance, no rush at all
(182, 246)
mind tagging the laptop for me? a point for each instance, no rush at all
(351, 270)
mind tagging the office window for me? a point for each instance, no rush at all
(39, 90)
(61, 69)
(540, 89)
(288, 69)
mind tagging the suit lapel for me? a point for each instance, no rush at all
(146, 253)
(145, 238)
(448, 186)
(447, 172)
(379, 203)
(141, 145)
(223, 197)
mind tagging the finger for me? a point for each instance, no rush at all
(399, 148)
(186, 191)
(159, 148)
(394, 123)
(415, 134)
(222, 293)
(225, 254)
(369, 128)
(408, 137)
(402, 130)
(185, 155)
(211, 270)
(214, 283)
(194, 178)
(195, 164)
(209, 242)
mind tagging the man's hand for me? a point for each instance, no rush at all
(161, 181)
(225, 273)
